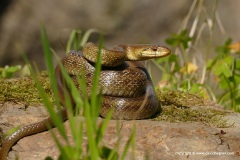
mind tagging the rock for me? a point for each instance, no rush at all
(154, 139)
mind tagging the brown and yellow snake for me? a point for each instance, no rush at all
(126, 85)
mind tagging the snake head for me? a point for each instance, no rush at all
(153, 51)
(144, 52)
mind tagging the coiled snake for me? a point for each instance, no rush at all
(126, 85)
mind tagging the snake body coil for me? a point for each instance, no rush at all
(125, 84)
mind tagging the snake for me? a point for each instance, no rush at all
(125, 84)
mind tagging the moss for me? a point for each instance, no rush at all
(180, 99)
(23, 90)
(178, 106)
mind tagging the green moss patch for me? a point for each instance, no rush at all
(24, 90)
(178, 106)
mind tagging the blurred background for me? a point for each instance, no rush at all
(121, 21)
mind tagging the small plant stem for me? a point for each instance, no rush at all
(186, 19)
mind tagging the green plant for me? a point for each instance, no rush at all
(78, 38)
(8, 72)
(226, 69)
(95, 147)
(186, 72)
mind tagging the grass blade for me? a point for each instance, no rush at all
(95, 99)
(74, 40)
(57, 120)
(86, 36)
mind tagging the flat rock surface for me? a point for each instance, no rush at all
(154, 139)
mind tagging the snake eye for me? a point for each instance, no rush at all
(155, 49)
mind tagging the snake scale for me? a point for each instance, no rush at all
(125, 84)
